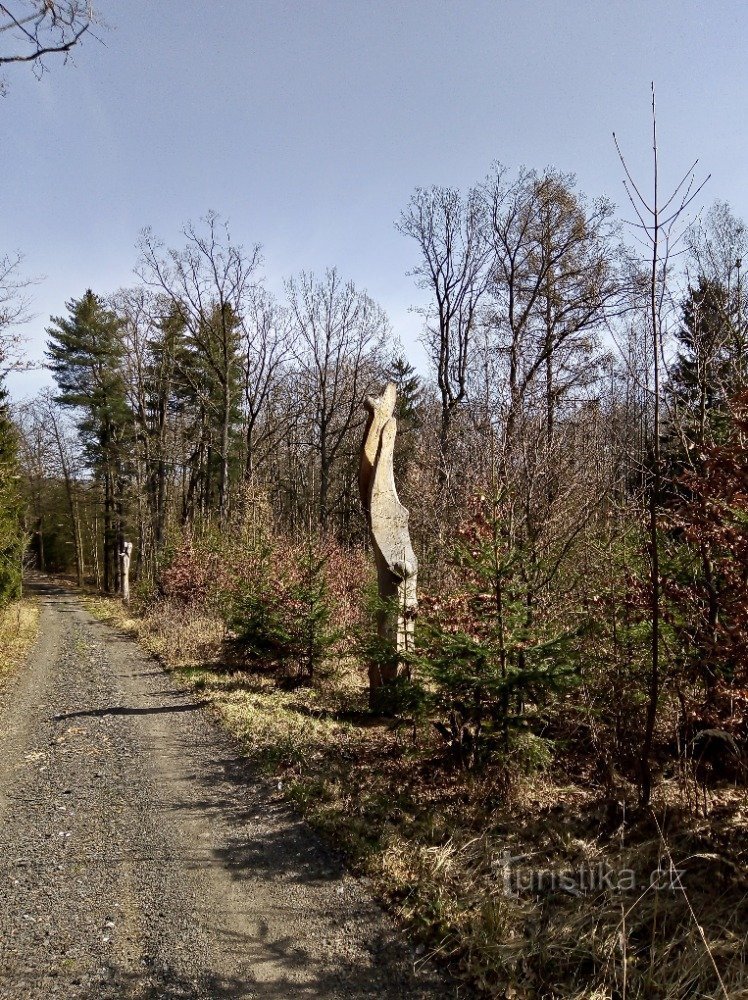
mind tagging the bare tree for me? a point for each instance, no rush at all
(266, 335)
(51, 453)
(14, 310)
(70, 467)
(553, 283)
(718, 245)
(31, 30)
(37, 459)
(341, 333)
(448, 231)
(717, 251)
(150, 339)
(660, 227)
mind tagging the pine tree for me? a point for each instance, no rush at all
(281, 614)
(492, 663)
(160, 375)
(209, 372)
(85, 351)
(409, 390)
(12, 538)
(407, 410)
(707, 582)
(709, 366)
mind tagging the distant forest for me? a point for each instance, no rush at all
(573, 461)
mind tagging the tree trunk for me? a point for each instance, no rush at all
(223, 500)
(108, 533)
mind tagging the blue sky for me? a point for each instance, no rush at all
(307, 124)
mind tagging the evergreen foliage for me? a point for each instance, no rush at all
(708, 582)
(281, 615)
(12, 536)
(710, 364)
(86, 352)
(492, 664)
(208, 391)
(409, 387)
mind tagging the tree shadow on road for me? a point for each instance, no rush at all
(335, 975)
(99, 713)
(262, 834)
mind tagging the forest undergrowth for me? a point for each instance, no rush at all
(536, 878)
(551, 791)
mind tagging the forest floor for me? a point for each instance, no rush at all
(143, 857)
(19, 625)
(544, 887)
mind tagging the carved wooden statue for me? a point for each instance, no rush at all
(397, 566)
(125, 558)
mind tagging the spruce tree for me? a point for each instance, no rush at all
(706, 392)
(710, 363)
(492, 661)
(407, 410)
(208, 368)
(12, 538)
(85, 354)
(409, 390)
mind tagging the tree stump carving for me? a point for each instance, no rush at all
(397, 566)
(125, 558)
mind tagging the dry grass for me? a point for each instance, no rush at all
(19, 626)
(432, 839)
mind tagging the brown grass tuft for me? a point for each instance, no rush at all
(431, 839)
(19, 627)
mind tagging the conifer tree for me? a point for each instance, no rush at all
(208, 370)
(85, 354)
(409, 390)
(491, 659)
(709, 367)
(12, 540)
(407, 410)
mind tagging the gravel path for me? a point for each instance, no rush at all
(139, 858)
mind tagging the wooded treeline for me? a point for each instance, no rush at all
(573, 460)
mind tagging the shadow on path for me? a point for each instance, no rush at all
(98, 713)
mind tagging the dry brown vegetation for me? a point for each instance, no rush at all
(575, 466)
(19, 625)
(431, 838)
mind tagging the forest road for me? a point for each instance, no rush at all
(140, 857)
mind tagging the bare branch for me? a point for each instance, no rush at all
(35, 29)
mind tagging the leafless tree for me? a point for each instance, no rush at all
(553, 281)
(340, 334)
(266, 344)
(717, 252)
(718, 246)
(448, 231)
(51, 454)
(69, 456)
(31, 30)
(149, 375)
(14, 310)
(660, 225)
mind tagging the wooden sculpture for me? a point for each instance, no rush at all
(397, 566)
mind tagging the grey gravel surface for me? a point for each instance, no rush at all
(139, 857)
